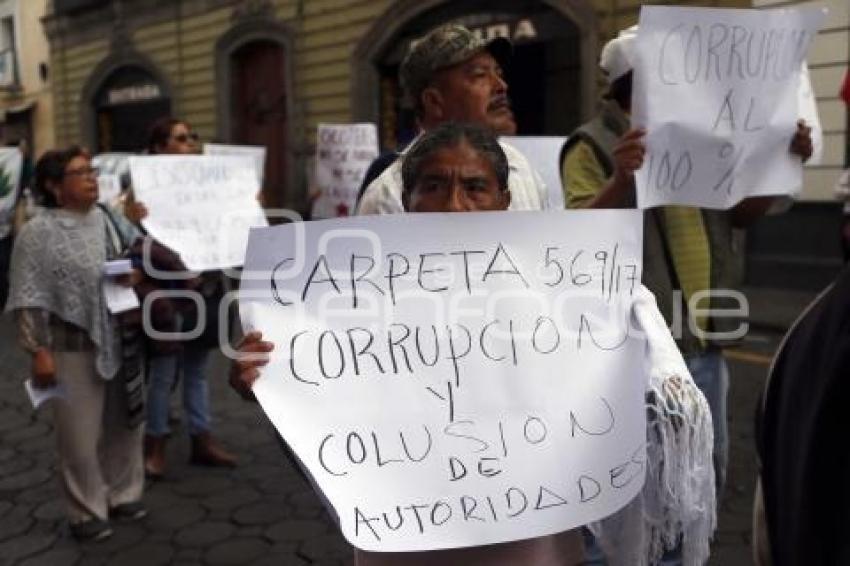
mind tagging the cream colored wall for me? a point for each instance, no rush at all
(828, 62)
(184, 51)
(325, 33)
(328, 33)
(32, 49)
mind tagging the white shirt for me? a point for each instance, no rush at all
(528, 192)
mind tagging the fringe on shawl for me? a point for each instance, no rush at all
(677, 503)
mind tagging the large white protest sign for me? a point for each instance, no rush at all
(717, 91)
(452, 380)
(202, 207)
(256, 152)
(11, 161)
(544, 155)
(343, 154)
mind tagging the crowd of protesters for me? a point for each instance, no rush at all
(113, 422)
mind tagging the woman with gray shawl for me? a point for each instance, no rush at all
(58, 299)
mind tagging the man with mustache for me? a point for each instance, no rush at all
(450, 75)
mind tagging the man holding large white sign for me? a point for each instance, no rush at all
(717, 92)
(446, 395)
(202, 207)
(690, 254)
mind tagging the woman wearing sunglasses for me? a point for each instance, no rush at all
(171, 136)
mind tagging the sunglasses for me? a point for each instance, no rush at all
(183, 138)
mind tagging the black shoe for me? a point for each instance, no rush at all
(128, 511)
(91, 531)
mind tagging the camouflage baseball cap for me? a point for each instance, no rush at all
(443, 47)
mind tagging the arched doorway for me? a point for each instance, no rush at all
(125, 105)
(258, 108)
(551, 78)
(253, 104)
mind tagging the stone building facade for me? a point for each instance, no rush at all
(269, 71)
(26, 109)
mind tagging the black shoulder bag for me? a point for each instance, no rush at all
(131, 333)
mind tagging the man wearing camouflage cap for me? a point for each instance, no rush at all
(450, 75)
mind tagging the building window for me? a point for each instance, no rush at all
(8, 55)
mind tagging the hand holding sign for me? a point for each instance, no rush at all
(493, 390)
(199, 206)
(629, 153)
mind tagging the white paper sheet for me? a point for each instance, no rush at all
(717, 90)
(202, 207)
(119, 298)
(808, 107)
(114, 163)
(114, 267)
(256, 152)
(544, 155)
(343, 155)
(108, 188)
(40, 396)
(477, 383)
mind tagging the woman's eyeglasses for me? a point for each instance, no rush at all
(83, 171)
(184, 138)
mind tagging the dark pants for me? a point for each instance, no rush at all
(5, 259)
(845, 237)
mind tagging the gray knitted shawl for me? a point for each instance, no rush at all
(57, 265)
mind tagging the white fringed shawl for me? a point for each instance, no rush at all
(678, 499)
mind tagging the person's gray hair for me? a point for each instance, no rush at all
(451, 134)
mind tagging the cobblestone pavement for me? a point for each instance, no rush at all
(261, 512)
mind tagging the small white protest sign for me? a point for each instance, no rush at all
(478, 383)
(256, 152)
(717, 91)
(200, 206)
(113, 163)
(108, 187)
(544, 155)
(343, 155)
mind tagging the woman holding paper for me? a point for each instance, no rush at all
(170, 136)
(58, 294)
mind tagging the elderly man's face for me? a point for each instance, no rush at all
(457, 179)
(473, 91)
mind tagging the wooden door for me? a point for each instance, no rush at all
(258, 110)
